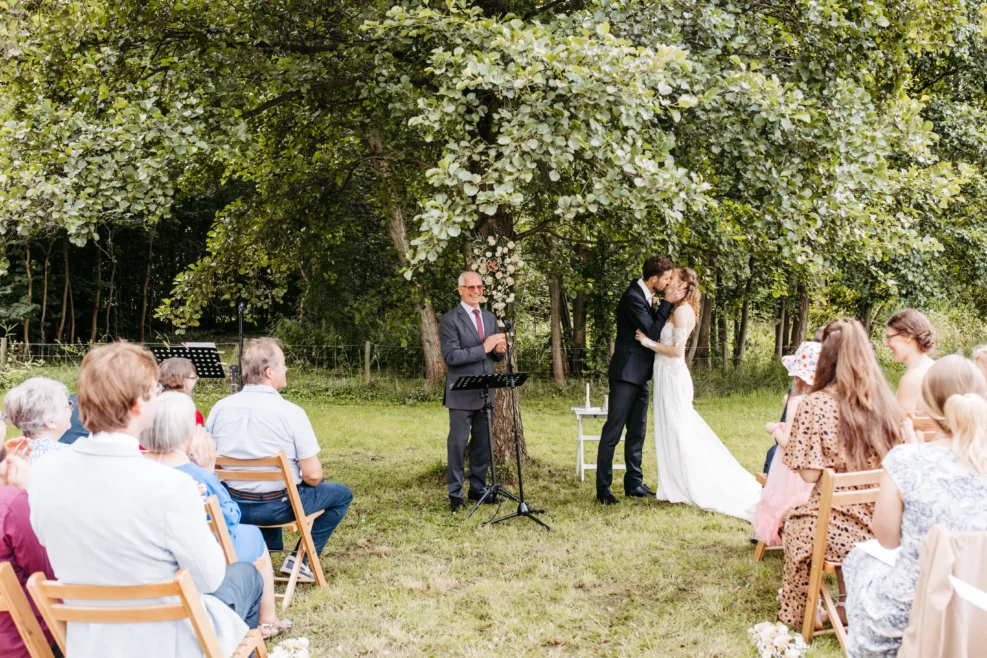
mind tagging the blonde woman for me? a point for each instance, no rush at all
(980, 358)
(694, 467)
(941, 482)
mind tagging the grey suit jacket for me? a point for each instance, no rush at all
(464, 355)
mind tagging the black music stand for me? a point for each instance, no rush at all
(205, 358)
(509, 380)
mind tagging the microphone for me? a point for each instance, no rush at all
(507, 326)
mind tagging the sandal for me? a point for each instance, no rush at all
(274, 630)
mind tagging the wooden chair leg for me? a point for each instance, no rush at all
(759, 551)
(834, 617)
(313, 555)
(811, 603)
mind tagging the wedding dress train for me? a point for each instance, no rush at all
(694, 466)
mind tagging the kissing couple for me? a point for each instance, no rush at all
(694, 467)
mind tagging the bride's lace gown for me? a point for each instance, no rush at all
(694, 466)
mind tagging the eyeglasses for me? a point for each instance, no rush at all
(473, 288)
(890, 336)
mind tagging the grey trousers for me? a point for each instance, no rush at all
(461, 421)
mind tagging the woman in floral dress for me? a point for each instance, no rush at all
(848, 423)
(941, 482)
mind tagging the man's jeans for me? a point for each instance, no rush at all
(332, 497)
(241, 590)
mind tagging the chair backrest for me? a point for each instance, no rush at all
(925, 426)
(48, 594)
(14, 602)
(214, 516)
(259, 470)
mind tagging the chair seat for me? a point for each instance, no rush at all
(762, 478)
(831, 567)
(291, 525)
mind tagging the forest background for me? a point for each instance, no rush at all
(335, 164)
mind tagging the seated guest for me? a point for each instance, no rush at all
(174, 440)
(107, 516)
(40, 408)
(19, 546)
(258, 422)
(910, 337)
(784, 488)
(847, 423)
(75, 430)
(178, 374)
(942, 482)
(980, 358)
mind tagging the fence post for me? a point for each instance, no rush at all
(366, 362)
(3, 352)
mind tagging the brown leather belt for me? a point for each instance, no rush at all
(249, 495)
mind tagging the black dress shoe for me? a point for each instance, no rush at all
(491, 499)
(455, 503)
(606, 497)
(640, 491)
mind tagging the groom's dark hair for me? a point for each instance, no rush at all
(656, 266)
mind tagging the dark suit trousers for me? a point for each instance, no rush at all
(628, 407)
(460, 423)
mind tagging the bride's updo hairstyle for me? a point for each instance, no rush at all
(687, 275)
(870, 418)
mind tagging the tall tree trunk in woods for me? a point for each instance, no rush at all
(147, 284)
(578, 333)
(740, 346)
(780, 330)
(558, 353)
(724, 336)
(301, 301)
(65, 292)
(690, 355)
(44, 297)
(702, 335)
(801, 326)
(99, 292)
(113, 273)
(866, 316)
(435, 367)
(30, 299)
(71, 314)
(786, 320)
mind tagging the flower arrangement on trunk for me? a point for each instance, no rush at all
(775, 640)
(497, 262)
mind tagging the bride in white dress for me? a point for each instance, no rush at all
(694, 466)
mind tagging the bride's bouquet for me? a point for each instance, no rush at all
(775, 640)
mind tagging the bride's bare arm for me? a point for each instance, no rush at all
(684, 321)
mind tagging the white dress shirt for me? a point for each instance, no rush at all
(469, 312)
(650, 296)
(108, 516)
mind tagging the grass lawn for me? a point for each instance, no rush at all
(407, 578)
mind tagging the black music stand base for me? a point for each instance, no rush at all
(522, 510)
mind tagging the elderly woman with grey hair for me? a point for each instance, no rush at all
(174, 440)
(41, 409)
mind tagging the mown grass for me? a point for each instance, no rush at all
(407, 578)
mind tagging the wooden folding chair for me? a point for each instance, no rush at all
(214, 516)
(14, 602)
(925, 426)
(228, 468)
(762, 548)
(47, 595)
(829, 498)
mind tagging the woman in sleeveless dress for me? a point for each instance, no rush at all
(694, 467)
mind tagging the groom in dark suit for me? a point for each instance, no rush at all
(630, 371)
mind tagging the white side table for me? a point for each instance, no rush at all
(581, 439)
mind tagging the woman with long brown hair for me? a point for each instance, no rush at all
(694, 467)
(848, 423)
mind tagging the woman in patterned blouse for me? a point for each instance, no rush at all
(42, 411)
(848, 423)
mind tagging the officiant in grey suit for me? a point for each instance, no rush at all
(470, 342)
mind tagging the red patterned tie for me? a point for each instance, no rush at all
(479, 324)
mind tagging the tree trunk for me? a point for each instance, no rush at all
(65, 292)
(558, 353)
(99, 292)
(786, 320)
(801, 325)
(44, 298)
(578, 333)
(724, 335)
(701, 346)
(304, 296)
(30, 299)
(435, 367)
(113, 273)
(740, 345)
(71, 314)
(780, 330)
(147, 284)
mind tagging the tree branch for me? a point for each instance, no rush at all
(326, 85)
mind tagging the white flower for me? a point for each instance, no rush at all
(477, 251)
(510, 298)
(499, 275)
(510, 281)
(489, 255)
(500, 251)
(793, 652)
(491, 240)
(781, 641)
(510, 269)
(488, 281)
(510, 245)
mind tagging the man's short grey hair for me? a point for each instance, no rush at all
(174, 423)
(37, 401)
(462, 277)
(259, 355)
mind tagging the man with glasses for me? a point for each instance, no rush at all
(471, 342)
